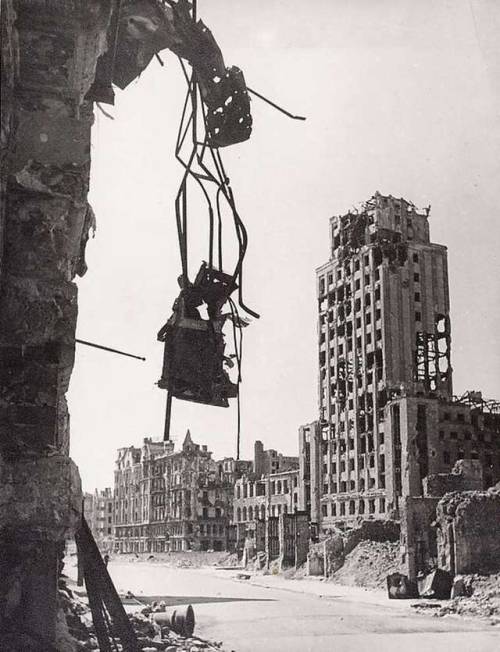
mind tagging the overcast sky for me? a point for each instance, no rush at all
(400, 96)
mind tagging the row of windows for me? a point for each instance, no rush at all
(353, 507)
(467, 435)
(362, 485)
(214, 530)
(328, 280)
(250, 514)
(351, 464)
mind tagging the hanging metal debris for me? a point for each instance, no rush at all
(193, 362)
(140, 29)
(216, 113)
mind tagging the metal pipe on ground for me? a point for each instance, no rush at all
(180, 620)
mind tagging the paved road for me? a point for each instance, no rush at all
(249, 618)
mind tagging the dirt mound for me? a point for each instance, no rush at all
(368, 564)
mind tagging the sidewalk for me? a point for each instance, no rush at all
(323, 589)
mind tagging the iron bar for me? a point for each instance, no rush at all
(273, 104)
(107, 348)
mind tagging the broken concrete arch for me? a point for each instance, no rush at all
(51, 51)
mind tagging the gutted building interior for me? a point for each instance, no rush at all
(388, 417)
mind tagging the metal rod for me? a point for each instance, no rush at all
(168, 414)
(107, 348)
(279, 108)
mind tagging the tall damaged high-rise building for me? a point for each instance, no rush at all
(387, 416)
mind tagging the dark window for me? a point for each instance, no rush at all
(446, 457)
(415, 258)
(418, 316)
(416, 277)
(417, 296)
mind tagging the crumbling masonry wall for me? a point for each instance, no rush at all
(469, 531)
(49, 52)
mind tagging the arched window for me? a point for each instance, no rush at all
(250, 513)
(278, 487)
(238, 515)
(244, 513)
(238, 491)
(263, 512)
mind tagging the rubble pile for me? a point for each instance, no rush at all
(368, 564)
(480, 599)
(190, 559)
(75, 632)
(328, 556)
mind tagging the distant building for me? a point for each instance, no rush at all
(387, 415)
(167, 500)
(269, 488)
(98, 509)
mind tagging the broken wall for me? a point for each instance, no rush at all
(49, 52)
(469, 531)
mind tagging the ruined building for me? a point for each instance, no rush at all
(268, 520)
(387, 415)
(268, 489)
(167, 500)
(98, 509)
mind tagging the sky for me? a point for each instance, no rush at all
(402, 97)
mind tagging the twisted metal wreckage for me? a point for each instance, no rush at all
(112, 44)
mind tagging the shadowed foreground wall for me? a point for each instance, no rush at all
(49, 52)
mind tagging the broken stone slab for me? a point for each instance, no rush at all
(457, 588)
(436, 585)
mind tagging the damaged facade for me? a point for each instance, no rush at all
(168, 501)
(268, 521)
(98, 509)
(388, 418)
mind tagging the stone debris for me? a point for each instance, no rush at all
(481, 599)
(368, 564)
(76, 631)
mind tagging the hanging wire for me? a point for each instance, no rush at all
(203, 164)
